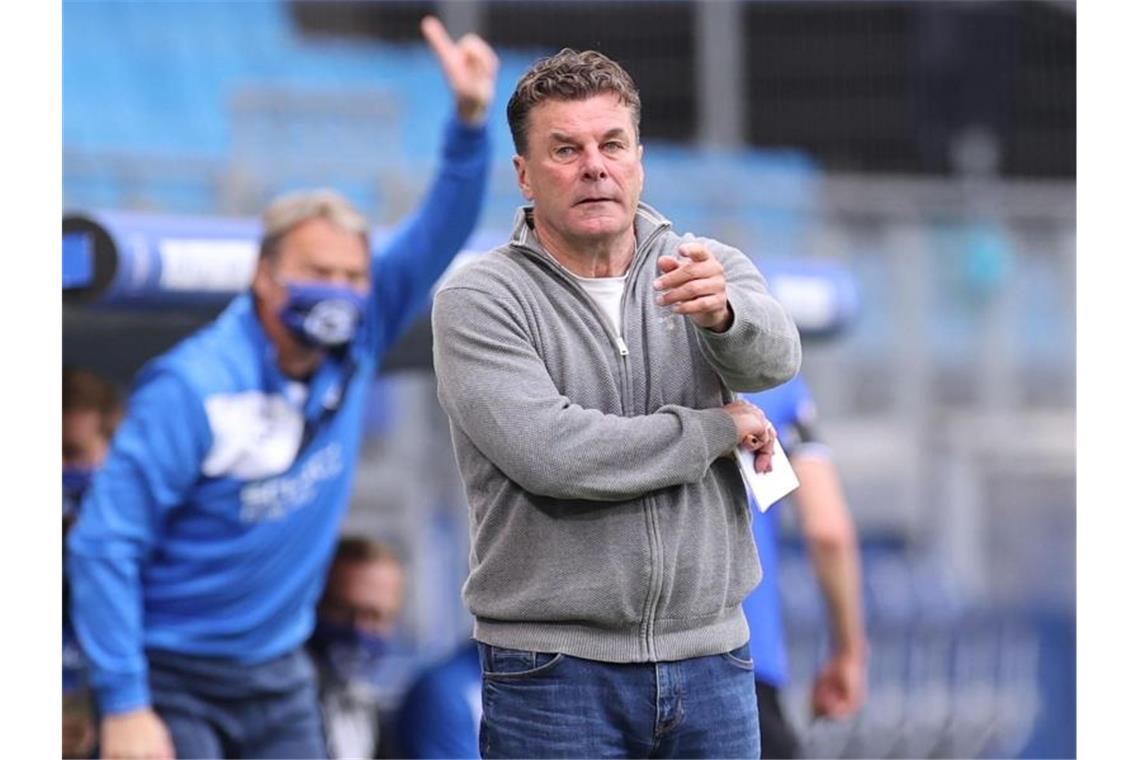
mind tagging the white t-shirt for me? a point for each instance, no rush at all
(606, 293)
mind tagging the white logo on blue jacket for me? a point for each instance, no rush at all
(274, 498)
(256, 435)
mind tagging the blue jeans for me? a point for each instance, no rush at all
(547, 705)
(221, 709)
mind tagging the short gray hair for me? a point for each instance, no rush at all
(569, 75)
(287, 211)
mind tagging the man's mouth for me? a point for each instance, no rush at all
(593, 200)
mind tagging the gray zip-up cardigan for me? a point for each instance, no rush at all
(606, 520)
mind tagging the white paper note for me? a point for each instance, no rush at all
(767, 487)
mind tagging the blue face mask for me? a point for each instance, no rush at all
(76, 480)
(322, 315)
(351, 654)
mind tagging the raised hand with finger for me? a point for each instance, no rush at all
(694, 286)
(470, 66)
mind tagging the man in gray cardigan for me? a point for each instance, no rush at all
(588, 368)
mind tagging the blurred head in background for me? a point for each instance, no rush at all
(92, 409)
(312, 276)
(359, 609)
(574, 117)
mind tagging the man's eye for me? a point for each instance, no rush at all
(612, 146)
(564, 152)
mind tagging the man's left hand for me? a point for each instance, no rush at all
(470, 66)
(695, 286)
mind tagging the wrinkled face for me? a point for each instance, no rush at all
(314, 251)
(365, 595)
(84, 444)
(583, 168)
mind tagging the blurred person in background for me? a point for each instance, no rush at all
(92, 408)
(439, 716)
(833, 549)
(201, 547)
(588, 370)
(354, 637)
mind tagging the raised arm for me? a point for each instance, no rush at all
(496, 389)
(421, 249)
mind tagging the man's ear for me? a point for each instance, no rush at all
(640, 169)
(520, 173)
(262, 279)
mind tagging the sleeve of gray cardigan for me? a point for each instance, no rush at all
(495, 387)
(761, 348)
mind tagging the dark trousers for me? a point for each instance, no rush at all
(777, 739)
(225, 709)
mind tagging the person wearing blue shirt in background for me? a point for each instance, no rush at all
(356, 645)
(440, 714)
(829, 533)
(92, 409)
(202, 544)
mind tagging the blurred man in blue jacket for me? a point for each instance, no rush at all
(202, 545)
(829, 533)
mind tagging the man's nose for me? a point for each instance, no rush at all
(593, 166)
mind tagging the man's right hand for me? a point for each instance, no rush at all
(470, 66)
(753, 432)
(135, 735)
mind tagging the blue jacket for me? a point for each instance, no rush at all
(790, 408)
(209, 528)
(440, 714)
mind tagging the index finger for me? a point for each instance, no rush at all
(694, 251)
(436, 35)
(696, 268)
(677, 277)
